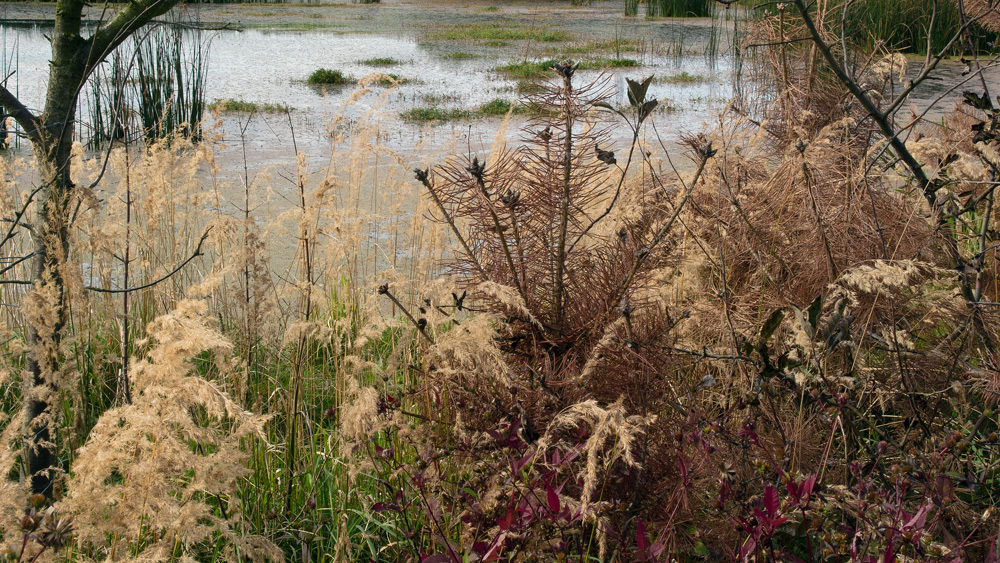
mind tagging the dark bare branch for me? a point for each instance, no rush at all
(197, 252)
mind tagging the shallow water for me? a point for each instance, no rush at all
(271, 67)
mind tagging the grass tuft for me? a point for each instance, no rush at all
(682, 78)
(380, 61)
(539, 69)
(497, 32)
(328, 76)
(459, 56)
(243, 106)
(434, 113)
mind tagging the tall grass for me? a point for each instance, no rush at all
(903, 25)
(678, 8)
(170, 83)
(156, 89)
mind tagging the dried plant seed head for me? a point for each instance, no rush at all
(57, 531)
(607, 157)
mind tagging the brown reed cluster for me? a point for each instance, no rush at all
(800, 336)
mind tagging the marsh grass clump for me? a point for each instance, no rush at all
(435, 113)
(380, 61)
(501, 33)
(325, 76)
(677, 8)
(460, 55)
(905, 25)
(500, 106)
(243, 106)
(526, 70)
(682, 78)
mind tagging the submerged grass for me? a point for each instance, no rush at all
(243, 106)
(380, 61)
(540, 69)
(682, 78)
(496, 107)
(499, 32)
(459, 56)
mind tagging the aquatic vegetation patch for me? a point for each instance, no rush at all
(682, 78)
(497, 32)
(541, 69)
(501, 106)
(618, 45)
(328, 76)
(497, 107)
(459, 56)
(243, 106)
(380, 61)
(434, 113)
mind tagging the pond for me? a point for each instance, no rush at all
(449, 56)
(440, 68)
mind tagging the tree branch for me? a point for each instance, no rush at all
(135, 15)
(21, 114)
(880, 118)
(197, 253)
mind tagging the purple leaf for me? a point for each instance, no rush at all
(553, 499)
(641, 537)
(919, 519)
(771, 502)
(493, 553)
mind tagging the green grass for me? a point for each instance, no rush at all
(491, 9)
(500, 106)
(605, 46)
(380, 61)
(497, 32)
(681, 8)
(539, 69)
(434, 113)
(526, 69)
(682, 78)
(901, 24)
(599, 63)
(242, 106)
(328, 76)
(459, 56)
(438, 99)
(497, 107)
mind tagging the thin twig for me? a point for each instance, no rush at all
(197, 253)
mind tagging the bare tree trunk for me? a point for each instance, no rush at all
(74, 58)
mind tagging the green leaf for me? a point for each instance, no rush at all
(815, 309)
(770, 325)
(637, 90)
(647, 108)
